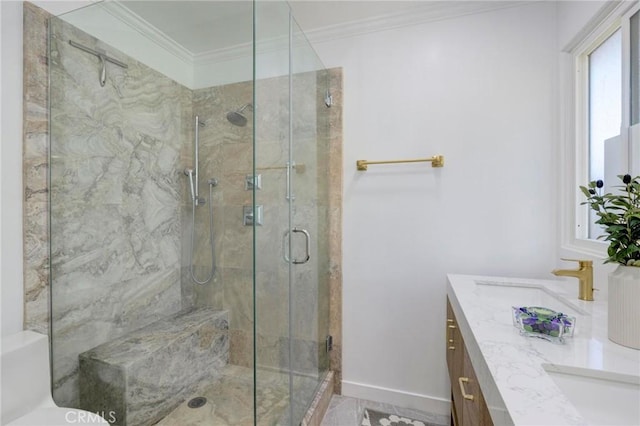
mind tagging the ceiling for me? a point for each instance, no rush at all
(198, 26)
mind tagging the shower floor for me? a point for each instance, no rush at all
(230, 401)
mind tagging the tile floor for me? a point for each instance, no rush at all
(346, 411)
(230, 401)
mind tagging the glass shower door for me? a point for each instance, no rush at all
(309, 313)
(291, 244)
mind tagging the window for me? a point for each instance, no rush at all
(605, 99)
(606, 137)
(604, 73)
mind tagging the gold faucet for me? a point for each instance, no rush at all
(584, 274)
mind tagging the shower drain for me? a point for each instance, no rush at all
(197, 402)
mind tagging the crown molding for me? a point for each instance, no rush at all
(243, 50)
(224, 54)
(430, 11)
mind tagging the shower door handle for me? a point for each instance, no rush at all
(307, 246)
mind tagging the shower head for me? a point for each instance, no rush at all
(236, 118)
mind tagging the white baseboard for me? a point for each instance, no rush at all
(397, 397)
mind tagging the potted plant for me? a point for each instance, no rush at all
(619, 215)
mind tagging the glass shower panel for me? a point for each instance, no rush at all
(309, 312)
(271, 237)
(116, 135)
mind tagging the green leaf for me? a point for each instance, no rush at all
(619, 215)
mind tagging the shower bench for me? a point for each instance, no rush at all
(144, 375)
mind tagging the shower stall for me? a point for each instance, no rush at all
(189, 211)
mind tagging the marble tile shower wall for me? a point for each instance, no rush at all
(226, 153)
(115, 199)
(35, 168)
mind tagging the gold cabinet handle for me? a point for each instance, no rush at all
(461, 382)
(450, 347)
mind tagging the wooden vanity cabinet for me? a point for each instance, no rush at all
(468, 407)
(455, 363)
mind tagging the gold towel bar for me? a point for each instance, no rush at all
(299, 168)
(436, 161)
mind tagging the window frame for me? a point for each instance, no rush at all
(574, 156)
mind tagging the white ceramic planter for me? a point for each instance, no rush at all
(624, 306)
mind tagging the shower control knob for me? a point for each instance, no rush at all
(200, 201)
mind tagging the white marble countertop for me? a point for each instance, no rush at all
(509, 366)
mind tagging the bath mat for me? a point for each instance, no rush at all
(378, 418)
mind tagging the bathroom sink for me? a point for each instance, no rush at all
(512, 294)
(601, 398)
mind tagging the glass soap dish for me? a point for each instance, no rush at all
(534, 321)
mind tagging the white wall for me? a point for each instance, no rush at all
(11, 290)
(479, 90)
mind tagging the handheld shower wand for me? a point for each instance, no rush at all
(189, 173)
(193, 186)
